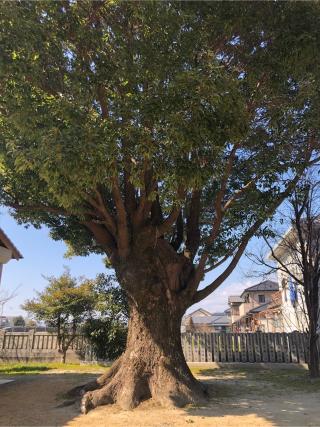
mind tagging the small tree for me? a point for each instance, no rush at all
(64, 304)
(107, 328)
(5, 296)
(19, 321)
(301, 245)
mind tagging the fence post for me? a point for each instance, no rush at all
(31, 341)
(2, 338)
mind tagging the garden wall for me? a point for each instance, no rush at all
(38, 346)
(197, 347)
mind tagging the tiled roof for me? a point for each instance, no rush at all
(201, 310)
(260, 308)
(211, 320)
(267, 285)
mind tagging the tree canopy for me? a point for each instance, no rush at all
(188, 121)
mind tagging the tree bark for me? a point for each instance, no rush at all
(313, 363)
(153, 364)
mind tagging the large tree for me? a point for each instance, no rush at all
(161, 134)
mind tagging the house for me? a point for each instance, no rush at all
(234, 302)
(8, 251)
(202, 320)
(256, 309)
(292, 300)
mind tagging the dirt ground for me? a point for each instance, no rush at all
(239, 397)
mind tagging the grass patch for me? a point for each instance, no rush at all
(28, 368)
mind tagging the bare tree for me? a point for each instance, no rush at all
(6, 296)
(297, 255)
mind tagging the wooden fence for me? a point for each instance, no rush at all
(197, 347)
(245, 347)
(37, 346)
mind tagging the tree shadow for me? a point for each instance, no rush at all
(278, 395)
(237, 396)
(40, 400)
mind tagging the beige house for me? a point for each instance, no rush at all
(256, 309)
(8, 251)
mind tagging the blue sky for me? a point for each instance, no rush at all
(45, 257)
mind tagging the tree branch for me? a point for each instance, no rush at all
(199, 295)
(102, 237)
(173, 216)
(203, 293)
(220, 262)
(193, 231)
(176, 242)
(100, 206)
(122, 226)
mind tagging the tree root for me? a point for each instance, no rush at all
(128, 384)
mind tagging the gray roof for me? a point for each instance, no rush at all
(202, 319)
(221, 319)
(267, 285)
(235, 299)
(201, 310)
(260, 308)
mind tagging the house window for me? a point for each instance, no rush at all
(261, 299)
(293, 292)
(236, 311)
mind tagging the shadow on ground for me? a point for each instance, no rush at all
(39, 400)
(239, 396)
(259, 395)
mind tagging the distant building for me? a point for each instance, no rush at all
(256, 309)
(234, 302)
(202, 320)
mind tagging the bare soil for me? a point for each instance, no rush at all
(244, 396)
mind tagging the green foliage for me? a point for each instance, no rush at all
(63, 303)
(107, 329)
(19, 321)
(32, 368)
(91, 91)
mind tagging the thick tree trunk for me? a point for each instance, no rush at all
(313, 308)
(313, 364)
(153, 363)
